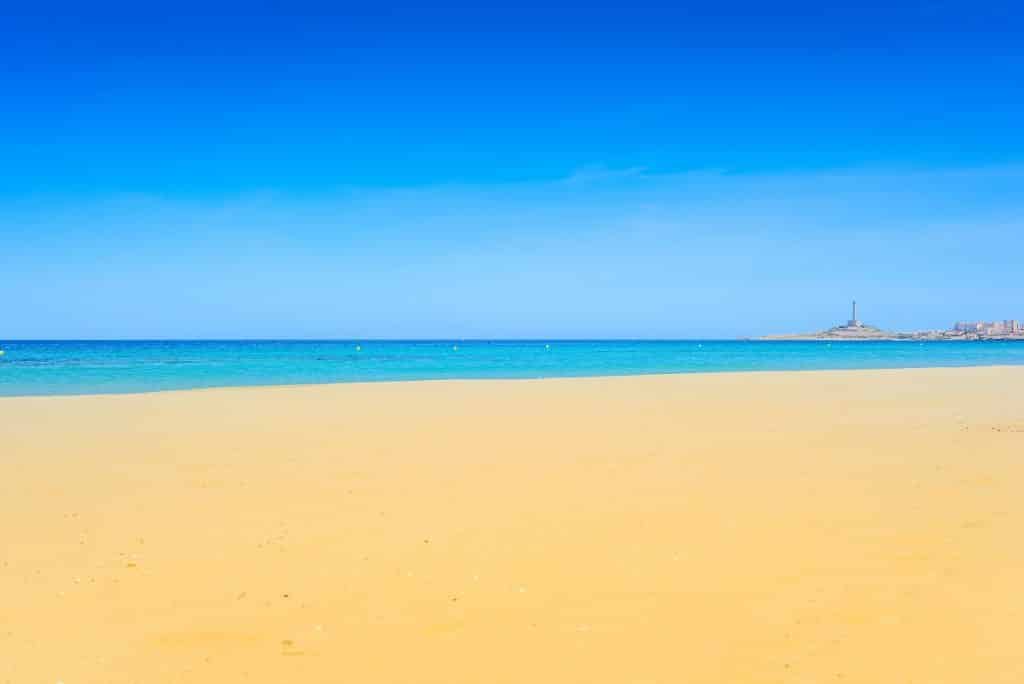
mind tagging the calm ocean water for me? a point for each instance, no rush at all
(40, 368)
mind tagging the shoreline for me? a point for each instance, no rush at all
(547, 378)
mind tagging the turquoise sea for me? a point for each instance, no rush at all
(91, 367)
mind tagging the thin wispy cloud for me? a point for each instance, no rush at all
(611, 253)
(596, 173)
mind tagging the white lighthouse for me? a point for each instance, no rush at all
(853, 322)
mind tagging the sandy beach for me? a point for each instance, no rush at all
(855, 526)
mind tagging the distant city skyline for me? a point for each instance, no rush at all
(472, 171)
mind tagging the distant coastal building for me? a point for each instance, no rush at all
(1007, 327)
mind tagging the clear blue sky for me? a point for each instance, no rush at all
(708, 169)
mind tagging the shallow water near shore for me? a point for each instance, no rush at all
(113, 367)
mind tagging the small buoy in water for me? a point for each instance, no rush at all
(547, 346)
(358, 348)
(1, 352)
(455, 347)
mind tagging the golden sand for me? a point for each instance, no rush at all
(778, 527)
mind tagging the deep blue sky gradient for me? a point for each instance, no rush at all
(632, 170)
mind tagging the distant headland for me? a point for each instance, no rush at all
(854, 330)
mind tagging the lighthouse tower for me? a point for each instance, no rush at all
(853, 322)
